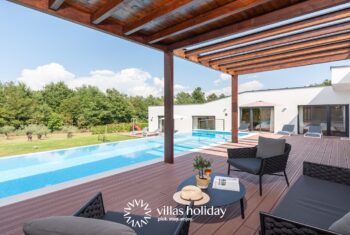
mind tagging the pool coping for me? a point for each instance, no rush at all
(71, 183)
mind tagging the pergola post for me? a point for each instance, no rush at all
(234, 108)
(168, 107)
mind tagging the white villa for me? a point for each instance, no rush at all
(269, 110)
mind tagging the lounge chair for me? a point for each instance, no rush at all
(269, 157)
(287, 130)
(146, 132)
(314, 131)
(244, 127)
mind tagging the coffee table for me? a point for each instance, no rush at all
(218, 198)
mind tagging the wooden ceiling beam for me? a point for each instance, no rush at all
(286, 13)
(55, 4)
(300, 63)
(293, 59)
(314, 21)
(292, 54)
(283, 49)
(155, 14)
(205, 18)
(308, 35)
(83, 18)
(106, 11)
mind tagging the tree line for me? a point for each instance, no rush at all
(56, 106)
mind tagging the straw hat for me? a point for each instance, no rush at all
(191, 193)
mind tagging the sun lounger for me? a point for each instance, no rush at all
(314, 131)
(244, 127)
(287, 130)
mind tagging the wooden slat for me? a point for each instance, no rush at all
(318, 20)
(325, 31)
(330, 40)
(55, 4)
(296, 64)
(106, 11)
(292, 59)
(155, 14)
(205, 18)
(83, 18)
(259, 21)
(297, 53)
(168, 107)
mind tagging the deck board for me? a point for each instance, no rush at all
(157, 182)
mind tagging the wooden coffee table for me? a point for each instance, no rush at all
(218, 198)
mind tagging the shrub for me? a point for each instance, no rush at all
(55, 122)
(7, 130)
(33, 129)
(69, 130)
(111, 128)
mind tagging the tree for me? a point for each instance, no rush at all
(212, 97)
(69, 130)
(183, 98)
(54, 93)
(55, 122)
(222, 95)
(16, 104)
(326, 82)
(198, 96)
(119, 106)
(7, 130)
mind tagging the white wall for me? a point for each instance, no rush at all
(286, 106)
(341, 78)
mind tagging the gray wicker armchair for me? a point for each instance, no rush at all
(245, 159)
(95, 209)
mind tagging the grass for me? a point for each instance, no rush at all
(20, 145)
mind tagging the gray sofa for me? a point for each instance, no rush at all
(320, 197)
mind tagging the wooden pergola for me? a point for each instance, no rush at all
(179, 27)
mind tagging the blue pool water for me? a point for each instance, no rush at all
(24, 173)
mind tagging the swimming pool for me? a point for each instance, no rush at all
(24, 173)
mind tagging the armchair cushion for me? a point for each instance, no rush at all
(268, 147)
(72, 225)
(342, 225)
(250, 165)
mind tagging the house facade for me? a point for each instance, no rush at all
(269, 110)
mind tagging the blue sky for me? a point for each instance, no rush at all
(36, 44)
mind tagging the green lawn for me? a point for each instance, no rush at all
(21, 145)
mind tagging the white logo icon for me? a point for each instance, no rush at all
(137, 221)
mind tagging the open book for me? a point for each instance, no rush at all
(226, 183)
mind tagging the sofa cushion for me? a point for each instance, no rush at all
(342, 225)
(152, 227)
(314, 202)
(71, 225)
(250, 165)
(268, 147)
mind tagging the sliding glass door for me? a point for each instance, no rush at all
(258, 118)
(333, 119)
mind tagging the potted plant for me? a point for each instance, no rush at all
(201, 164)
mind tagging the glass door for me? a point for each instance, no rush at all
(338, 122)
(259, 118)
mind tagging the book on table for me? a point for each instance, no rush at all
(226, 183)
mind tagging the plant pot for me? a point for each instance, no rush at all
(202, 183)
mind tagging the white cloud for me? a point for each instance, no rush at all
(223, 77)
(131, 81)
(42, 75)
(250, 86)
(247, 86)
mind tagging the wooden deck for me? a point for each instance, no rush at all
(156, 184)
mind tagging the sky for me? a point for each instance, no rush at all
(38, 49)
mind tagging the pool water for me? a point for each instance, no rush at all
(24, 173)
